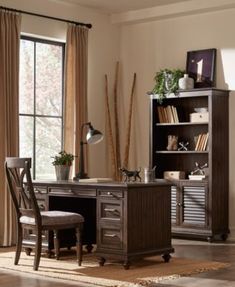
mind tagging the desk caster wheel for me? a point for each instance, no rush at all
(102, 261)
(224, 237)
(210, 239)
(89, 248)
(166, 257)
(28, 251)
(126, 265)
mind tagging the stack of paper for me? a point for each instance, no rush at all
(103, 179)
(196, 176)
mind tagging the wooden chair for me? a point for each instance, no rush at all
(29, 215)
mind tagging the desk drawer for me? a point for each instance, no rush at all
(111, 210)
(111, 237)
(60, 190)
(111, 193)
(85, 192)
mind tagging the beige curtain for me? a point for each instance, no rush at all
(75, 88)
(9, 116)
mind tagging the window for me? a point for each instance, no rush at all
(41, 103)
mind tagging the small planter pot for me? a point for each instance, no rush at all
(62, 172)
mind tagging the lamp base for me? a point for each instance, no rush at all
(80, 175)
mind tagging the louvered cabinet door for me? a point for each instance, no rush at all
(195, 205)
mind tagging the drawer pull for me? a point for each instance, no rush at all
(112, 194)
(110, 235)
(180, 205)
(110, 209)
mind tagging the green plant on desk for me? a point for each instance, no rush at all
(63, 158)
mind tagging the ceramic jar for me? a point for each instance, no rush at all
(186, 83)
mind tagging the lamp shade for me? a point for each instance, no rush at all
(93, 136)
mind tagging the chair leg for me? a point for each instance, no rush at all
(38, 249)
(79, 244)
(18, 244)
(56, 244)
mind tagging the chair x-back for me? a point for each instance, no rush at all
(30, 217)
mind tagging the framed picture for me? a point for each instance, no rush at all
(201, 67)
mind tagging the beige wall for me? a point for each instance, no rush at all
(103, 51)
(148, 47)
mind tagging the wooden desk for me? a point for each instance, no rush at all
(125, 220)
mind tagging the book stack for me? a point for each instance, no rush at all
(201, 142)
(167, 114)
(196, 176)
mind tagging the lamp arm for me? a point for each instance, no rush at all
(81, 160)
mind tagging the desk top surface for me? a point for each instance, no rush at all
(49, 182)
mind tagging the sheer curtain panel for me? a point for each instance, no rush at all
(9, 115)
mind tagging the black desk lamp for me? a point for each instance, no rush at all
(93, 136)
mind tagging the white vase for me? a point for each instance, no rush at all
(186, 83)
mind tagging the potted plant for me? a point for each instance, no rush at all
(62, 163)
(166, 82)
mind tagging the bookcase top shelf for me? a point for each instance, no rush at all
(182, 124)
(181, 151)
(197, 182)
(192, 93)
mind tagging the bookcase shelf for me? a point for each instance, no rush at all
(207, 143)
(182, 152)
(182, 124)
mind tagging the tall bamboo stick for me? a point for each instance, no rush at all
(117, 137)
(110, 133)
(128, 134)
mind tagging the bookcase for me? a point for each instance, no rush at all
(199, 208)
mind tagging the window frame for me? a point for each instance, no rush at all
(34, 115)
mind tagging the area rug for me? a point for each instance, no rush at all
(141, 273)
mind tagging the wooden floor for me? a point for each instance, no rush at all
(222, 252)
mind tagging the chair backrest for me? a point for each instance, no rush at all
(21, 188)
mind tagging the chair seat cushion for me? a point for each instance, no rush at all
(54, 218)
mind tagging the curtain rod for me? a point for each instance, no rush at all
(48, 17)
